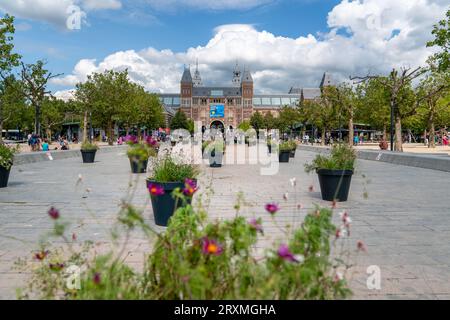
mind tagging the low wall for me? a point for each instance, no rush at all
(32, 157)
(433, 162)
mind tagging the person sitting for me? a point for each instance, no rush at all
(45, 146)
(383, 144)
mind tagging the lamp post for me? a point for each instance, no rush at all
(392, 126)
(90, 127)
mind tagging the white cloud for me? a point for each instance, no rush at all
(380, 35)
(51, 11)
(207, 4)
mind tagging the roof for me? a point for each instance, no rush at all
(247, 76)
(263, 101)
(216, 92)
(187, 77)
(326, 80)
(311, 93)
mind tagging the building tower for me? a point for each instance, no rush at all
(236, 76)
(326, 80)
(197, 80)
(186, 91)
(247, 95)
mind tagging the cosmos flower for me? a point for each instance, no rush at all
(151, 141)
(130, 139)
(155, 189)
(361, 246)
(97, 278)
(338, 277)
(190, 187)
(272, 208)
(255, 224)
(53, 213)
(211, 247)
(285, 254)
(41, 255)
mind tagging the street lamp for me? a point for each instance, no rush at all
(392, 127)
(90, 127)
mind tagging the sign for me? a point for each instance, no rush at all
(217, 111)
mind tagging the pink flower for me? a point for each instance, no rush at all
(53, 213)
(190, 187)
(285, 254)
(361, 246)
(130, 139)
(41, 255)
(155, 189)
(272, 208)
(211, 247)
(151, 141)
(255, 224)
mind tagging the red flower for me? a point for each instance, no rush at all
(272, 208)
(53, 213)
(56, 266)
(361, 246)
(190, 187)
(97, 278)
(155, 189)
(211, 247)
(41, 255)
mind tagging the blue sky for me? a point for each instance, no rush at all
(188, 30)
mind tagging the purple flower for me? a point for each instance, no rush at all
(190, 187)
(255, 224)
(272, 208)
(53, 213)
(211, 247)
(285, 254)
(130, 139)
(155, 189)
(151, 141)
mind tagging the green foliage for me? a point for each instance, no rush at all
(180, 266)
(87, 146)
(168, 170)
(342, 157)
(441, 31)
(257, 121)
(269, 121)
(287, 118)
(179, 121)
(285, 146)
(141, 151)
(8, 59)
(245, 126)
(7, 156)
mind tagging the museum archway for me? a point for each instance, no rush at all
(218, 125)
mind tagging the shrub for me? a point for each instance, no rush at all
(87, 146)
(342, 157)
(167, 170)
(141, 150)
(285, 146)
(7, 155)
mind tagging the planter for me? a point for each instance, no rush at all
(292, 153)
(88, 156)
(284, 156)
(335, 184)
(215, 160)
(4, 177)
(138, 166)
(164, 206)
(269, 146)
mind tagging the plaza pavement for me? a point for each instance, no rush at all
(405, 221)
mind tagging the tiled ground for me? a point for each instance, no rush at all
(405, 222)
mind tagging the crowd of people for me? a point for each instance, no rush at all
(36, 143)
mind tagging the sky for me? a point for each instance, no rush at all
(284, 43)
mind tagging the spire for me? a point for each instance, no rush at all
(236, 75)
(187, 77)
(197, 80)
(247, 76)
(326, 80)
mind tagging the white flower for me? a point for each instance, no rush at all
(339, 276)
(299, 258)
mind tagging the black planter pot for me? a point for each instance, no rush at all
(335, 184)
(292, 153)
(164, 205)
(284, 156)
(270, 148)
(4, 177)
(215, 159)
(88, 156)
(138, 166)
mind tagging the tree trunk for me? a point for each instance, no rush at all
(351, 132)
(110, 133)
(322, 143)
(432, 141)
(85, 129)
(37, 120)
(384, 132)
(398, 146)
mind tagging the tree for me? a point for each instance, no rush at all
(106, 95)
(53, 114)
(15, 112)
(179, 121)
(269, 121)
(400, 91)
(287, 118)
(347, 100)
(35, 79)
(257, 121)
(8, 60)
(321, 112)
(441, 31)
(430, 91)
